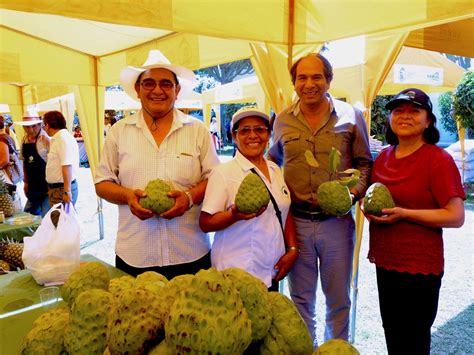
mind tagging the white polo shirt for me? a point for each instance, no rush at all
(254, 245)
(63, 150)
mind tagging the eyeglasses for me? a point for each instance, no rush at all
(150, 84)
(258, 130)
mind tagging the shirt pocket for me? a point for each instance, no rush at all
(183, 169)
(292, 145)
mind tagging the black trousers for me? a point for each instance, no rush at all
(170, 271)
(408, 306)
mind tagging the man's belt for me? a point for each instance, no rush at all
(309, 215)
(57, 185)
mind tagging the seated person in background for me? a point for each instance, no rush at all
(78, 133)
(253, 242)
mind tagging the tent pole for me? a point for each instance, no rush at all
(291, 26)
(100, 118)
(353, 311)
(100, 215)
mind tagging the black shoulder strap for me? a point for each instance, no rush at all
(275, 205)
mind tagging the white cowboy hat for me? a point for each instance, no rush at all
(30, 118)
(156, 59)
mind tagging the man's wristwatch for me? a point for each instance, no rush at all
(66, 192)
(190, 198)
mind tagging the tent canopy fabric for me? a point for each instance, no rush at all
(314, 21)
(348, 81)
(80, 46)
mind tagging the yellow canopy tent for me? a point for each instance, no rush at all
(429, 71)
(80, 46)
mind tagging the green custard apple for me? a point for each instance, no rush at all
(288, 333)
(157, 199)
(377, 198)
(334, 198)
(89, 275)
(252, 195)
(208, 317)
(336, 346)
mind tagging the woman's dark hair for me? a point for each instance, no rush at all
(55, 120)
(236, 125)
(2, 122)
(327, 67)
(430, 134)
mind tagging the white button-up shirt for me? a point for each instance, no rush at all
(254, 245)
(131, 158)
(63, 150)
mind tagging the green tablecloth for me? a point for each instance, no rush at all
(18, 231)
(20, 305)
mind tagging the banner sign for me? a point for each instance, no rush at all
(417, 74)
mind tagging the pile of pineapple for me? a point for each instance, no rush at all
(6, 201)
(10, 251)
(10, 256)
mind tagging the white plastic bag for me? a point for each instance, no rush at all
(52, 253)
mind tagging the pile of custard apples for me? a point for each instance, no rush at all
(212, 312)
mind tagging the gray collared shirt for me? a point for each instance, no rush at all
(344, 129)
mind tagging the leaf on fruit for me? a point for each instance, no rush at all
(334, 159)
(310, 159)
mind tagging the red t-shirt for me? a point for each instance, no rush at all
(426, 179)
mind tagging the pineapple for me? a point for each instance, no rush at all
(4, 267)
(6, 201)
(11, 252)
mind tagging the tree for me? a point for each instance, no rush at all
(463, 102)
(227, 111)
(459, 106)
(463, 62)
(113, 88)
(227, 72)
(379, 115)
(445, 102)
(205, 82)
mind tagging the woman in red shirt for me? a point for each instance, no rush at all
(406, 243)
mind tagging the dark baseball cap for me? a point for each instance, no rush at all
(415, 96)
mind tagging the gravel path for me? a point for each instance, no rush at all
(453, 330)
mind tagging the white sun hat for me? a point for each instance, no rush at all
(156, 59)
(30, 118)
(248, 111)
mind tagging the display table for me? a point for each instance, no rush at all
(20, 305)
(19, 225)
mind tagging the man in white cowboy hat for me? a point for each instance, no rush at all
(34, 152)
(157, 142)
